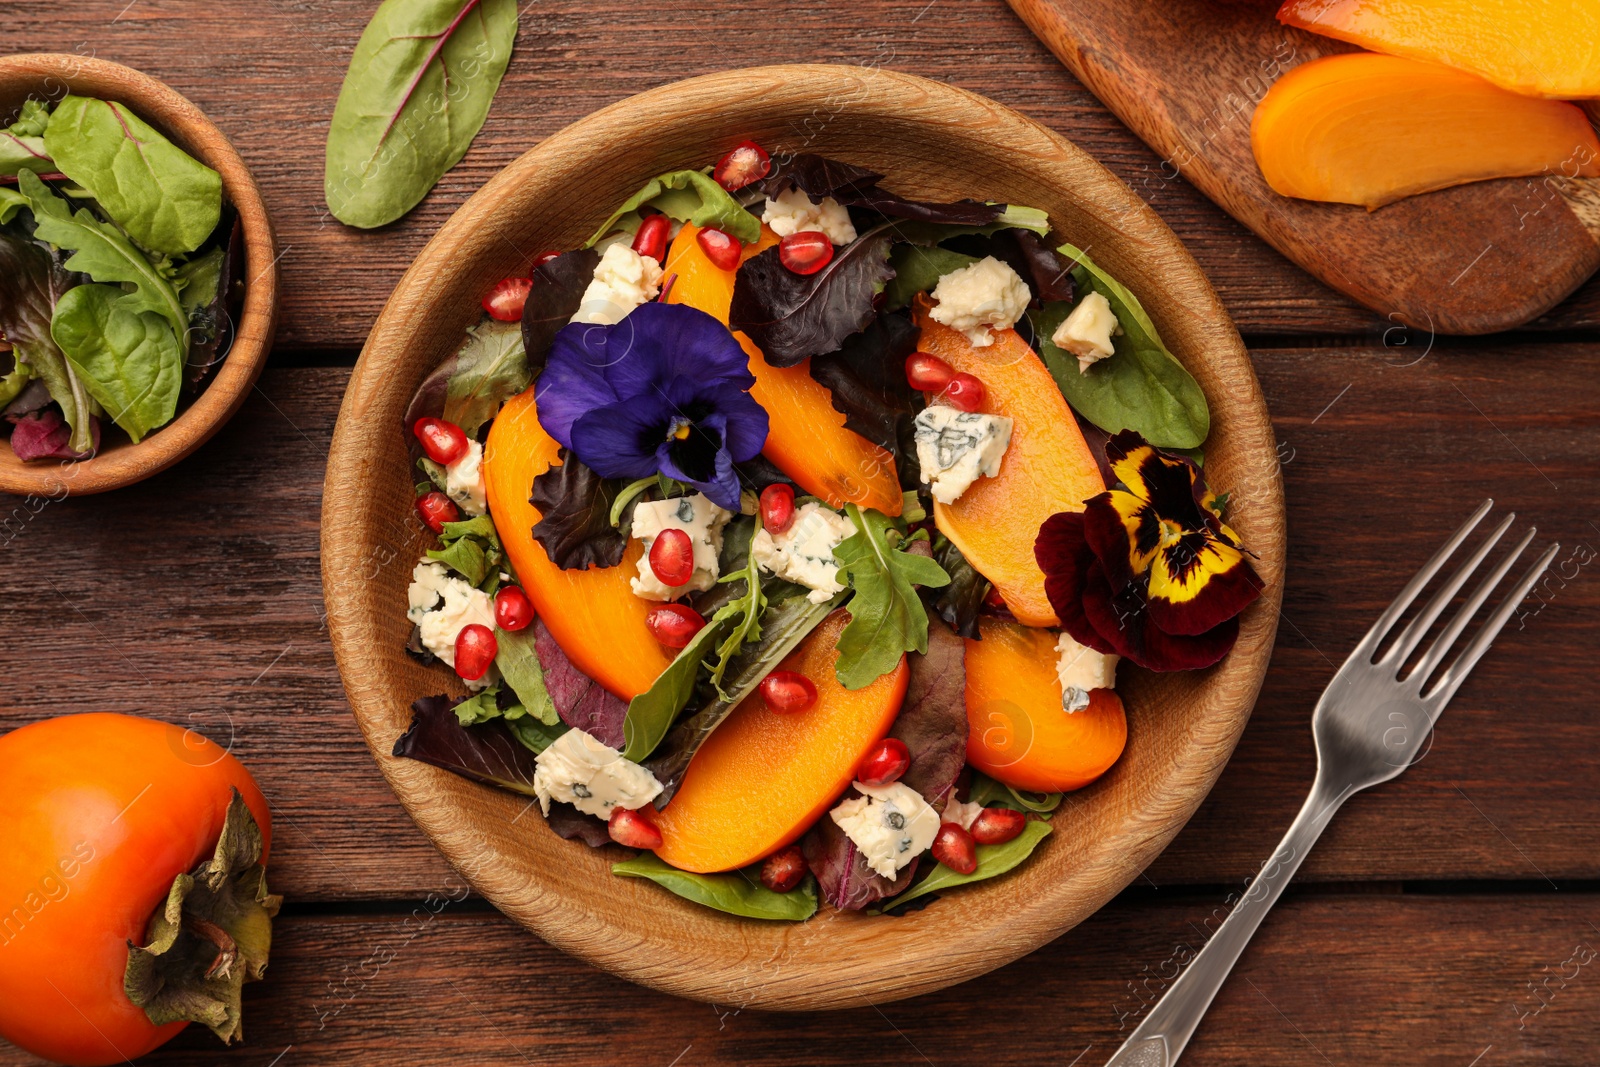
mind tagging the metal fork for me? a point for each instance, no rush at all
(1369, 725)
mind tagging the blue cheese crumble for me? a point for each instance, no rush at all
(580, 770)
(891, 825)
(1081, 670)
(442, 605)
(957, 447)
(795, 212)
(464, 481)
(979, 299)
(623, 279)
(803, 553)
(696, 516)
(1087, 331)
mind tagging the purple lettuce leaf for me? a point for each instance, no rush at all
(818, 177)
(1048, 275)
(867, 383)
(558, 286)
(46, 435)
(792, 317)
(841, 871)
(570, 824)
(487, 752)
(574, 524)
(581, 701)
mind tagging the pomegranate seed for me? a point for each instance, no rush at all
(777, 507)
(788, 691)
(927, 372)
(674, 625)
(884, 762)
(993, 598)
(994, 826)
(721, 249)
(444, 442)
(512, 609)
(805, 252)
(783, 869)
(476, 648)
(437, 509)
(964, 392)
(651, 240)
(954, 847)
(505, 301)
(544, 257)
(633, 828)
(672, 557)
(745, 164)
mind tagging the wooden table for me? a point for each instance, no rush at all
(1448, 918)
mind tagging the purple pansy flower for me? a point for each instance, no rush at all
(665, 390)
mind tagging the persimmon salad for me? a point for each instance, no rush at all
(791, 532)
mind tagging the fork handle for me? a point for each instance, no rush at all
(1160, 1038)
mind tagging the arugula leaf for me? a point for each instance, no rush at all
(958, 603)
(164, 198)
(129, 361)
(472, 549)
(747, 608)
(735, 892)
(783, 627)
(918, 270)
(652, 713)
(993, 860)
(886, 615)
(688, 196)
(101, 251)
(518, 662)
(1142, 386)
(490, 368)
(465, 557)
(32, 281)
(558, 286)
(419, 86)
(489, 753)
(792, 317)
(575, 516)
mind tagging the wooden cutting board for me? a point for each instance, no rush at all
(1185, 75)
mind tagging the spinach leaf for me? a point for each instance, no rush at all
(867, 384)
(986, 792)
(652, 713)
(792, 316)
(783, 627)
(1142, 386)
(490, 368)
(419, 86)
(558, 286)
(101, 251)
(688, 196)
(581, 701)
(735, 892)
(993, 860)
(886, 615)
(32, 281)
(918, 270)
(489, 753)
(958, 603)
(535, 735)
(518, 662)
(164, 198)
(19, 153)
(128, 360)
(198, 280)
(575, 516)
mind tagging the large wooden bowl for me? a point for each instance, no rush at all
(934, 142)
(50, 76)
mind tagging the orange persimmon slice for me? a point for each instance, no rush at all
(1371, 129)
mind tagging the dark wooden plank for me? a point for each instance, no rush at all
(196, 597)
(1353, 979)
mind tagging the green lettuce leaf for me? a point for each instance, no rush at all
(472, 549)
(887, 618)
(1142, 386)
(518, 662)
(32, 281)
(688, 196)
(418, 88)
(736, 892)
(130, 361)
(490, 368)
(11, 202)
(164, 198)
(993, 860)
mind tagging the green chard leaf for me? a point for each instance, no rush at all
(918, 270)
(736, 892)
(490, 368)
(418, 89)
(518, 662)
(688, 196)
(164, 198)
(11, 202)
(20, 152)
(1142, 386)
(993, 860)
(887, 618)
(130, 361)
(652, 713)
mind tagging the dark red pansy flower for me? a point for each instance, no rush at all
(1148, 571)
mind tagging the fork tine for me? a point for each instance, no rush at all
(1417, 629)
(1458, 623)
(1457, 673)
(1415, 585)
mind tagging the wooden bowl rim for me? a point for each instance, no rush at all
(757, 967)
(168, 110)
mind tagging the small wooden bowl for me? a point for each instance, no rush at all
(933, 142)
(50, 76)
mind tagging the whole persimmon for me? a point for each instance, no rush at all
(131, 867)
